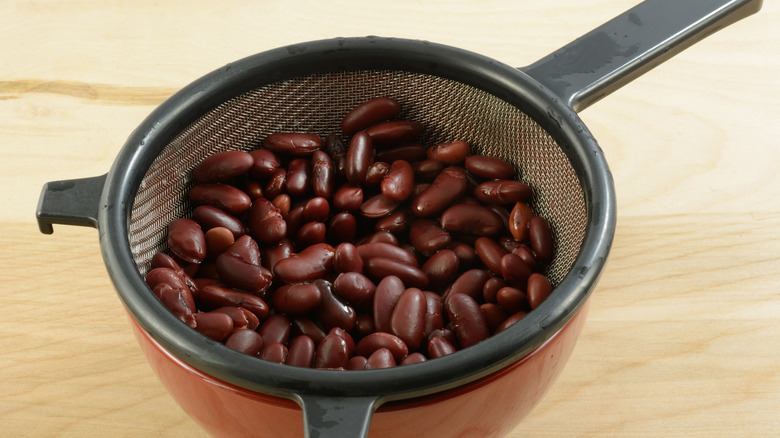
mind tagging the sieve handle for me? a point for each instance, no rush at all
(337, 417)
(624, 48)
(70, 202)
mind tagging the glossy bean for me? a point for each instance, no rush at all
(439, 347)
(380, 236)
(323, 175)
(213, 297)
(253, 188)
(302, 325)
(539, 288)
(427, 170)
(277, 184)
(383, 249)
(293, 143)
(274, 352)
(332, 311)
(298, 182)
(369, 113)
(301, 352)
(380, 267)
(316, 209)
(178, 300)
(218, 239)
(246, 341)
(467, 257)
(381, 358)
(243, 274)
(265, 163)
(540, 235)
(272, 254)
(467, 319)
(242, 318)
(297, 299)
(376, 172)
(527, 255)
(449, 186)
(378, 206)
(510, 321)
(434, 316)
(413, 358)
(518, 221)
(378, 340)
(512, 299)
(165, 275)
(283, 203)
(223, 196)
(515, 270)
(210, 217)
(450, 153)
(186, 240)
(411, 153)
(338, 331)
(471, 219)
(223, 166)
(364, 324)
(360, 156)
(348, 197)
(490, 253)
(502, 192)
(342, 227)
(386, 295)
(395, 132)
(469, 283)
(346, 258)
(214, 325)
(276, 328)
(311, 263)
(356, 289)
(357, 363)
(491, 286)
(408, 318)
(310, 233)
(489, 167)
(428, 237)
(397, 222)
(266, 223)
(494, 315)
(441, 268)
(332, 353)
(398, 183)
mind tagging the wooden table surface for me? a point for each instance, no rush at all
(683, 337)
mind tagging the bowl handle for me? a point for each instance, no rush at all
(70, 202)
(624, 48)
(337, 417)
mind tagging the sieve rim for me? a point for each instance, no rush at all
(359, 53)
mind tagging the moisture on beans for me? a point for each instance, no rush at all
(362, 249)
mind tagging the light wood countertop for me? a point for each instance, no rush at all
(683, 335)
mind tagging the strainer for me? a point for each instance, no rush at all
(526, 116)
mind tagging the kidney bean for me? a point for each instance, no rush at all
(515, 270)
(338, 331)
(346, 258)
(283, 203)
(427, 170)
(451, 153)
(297, 299)
(413, 358)
(311, 263)
(379, 267)
(165, 275)
(381, 358)
(360, 156)
(519, 218)
(209, 217)
(398, 183)
(379, 340)
(471, 219)
(364, 324)
(342, 227)
(502, 192)
(540, 235)
(449, 186)
(178, 300)
(419, 188)
(469, 283)
(277, 184)
(447, 333)
(428, 237)
(213, 297)
(332, 353)
(408, 318)
(332, 311)
(301, 352)
(274, 352)
(316, 209)
(439, 347)
(293, 143)
(467, 319)
(186, 240)
(323, 175)
(376, 172)
(467, 257)
(527, 255)
(298, 182)
(539, 288)
(266, 223)
(294, 220)
(383, 249)
(265, 163)
(491, 286)
(434, 316)
(246, 341)
(334, 145)
(253, 189)
(411, 153)
(302, 325)
(242, 318)
(223, 196)
(275, 329)
(242, 274)
(379, 236)
(215, 325)
(369, 113)
(311, 233)
(490, 253)
(271, 255)
(378, 206)
(494, 315)
(396, 132)
(348, 197)
(396, 222)
(511, 320)
(441, 268)
(218, 239)
(489, 167)
(511, 299)
(223, 166)
(356, 289)
(357, 363)
(386, 295)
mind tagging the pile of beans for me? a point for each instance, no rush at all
(361, 250)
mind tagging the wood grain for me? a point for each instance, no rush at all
(683, 337)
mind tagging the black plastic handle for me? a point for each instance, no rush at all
(622, 49)
(70, 202)
(337, 417)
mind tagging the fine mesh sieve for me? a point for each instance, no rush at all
(527, 117)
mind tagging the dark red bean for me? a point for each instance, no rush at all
(376, 172)
(451, 153)
(178, 300)
(378, 206)
(369, 113)
(167, 276)
(539, 288)
(489, 167)
(332, 353)
(338, 331)
(342, 227)
(210, 217)
(239, 266)
(383, 249)
(283, 203)
(265, 163)
(428, 237)
(311, 233)
(215, 325)
(298, 182)
(272, 254)
(511, 320)
(242, 318)
(274, 352)
(467, 257)
(527, 255)
(302, 325)
(540, 234)
(357, 363)
(364, 324)
(491, 286)
(518, 221)
(347, 258)
(378, 340)
(246, 341)
(380, 236)
(449, 186)
(396, 132)
(323, 175)
(332, 311)
(427, 170)
(301, 352)
(490, 253)
(441, 268)
(380, 267)
(266, 223)
(512, 299)
(386, 295)
(311, 263)
(223, 196)
(276, 328)
(494, 315)
(252, 188)
(439, 347)
(356, 289)
(502, 192)
(360, 156)
(293, 143)
(348, 197)
(413, 359)
(186, 240)
(218, 239)
(408, 318)
(397, 185)
(297, 299)
(467, 319)
(334, 146)
(277, 184)
(214, 297)
(469, 283)
(434, 316)
(471, 219)
(410, 153)
(515, 270)
(381, 358)
(223, 166)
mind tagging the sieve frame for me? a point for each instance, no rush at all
(340, 54)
